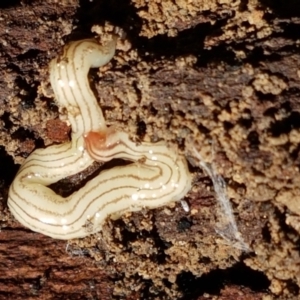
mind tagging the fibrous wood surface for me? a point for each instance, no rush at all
(222, 77)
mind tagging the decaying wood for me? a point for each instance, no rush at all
(220, 76)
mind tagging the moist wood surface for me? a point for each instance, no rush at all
(225, 74)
